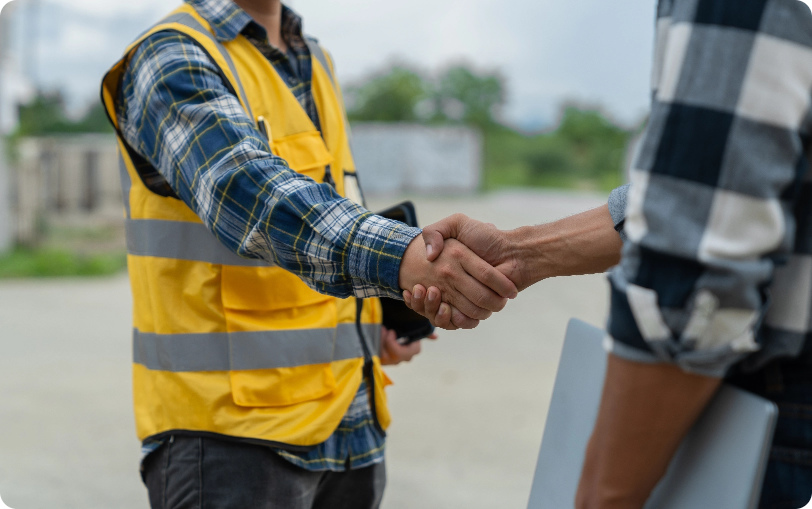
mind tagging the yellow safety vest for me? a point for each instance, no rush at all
(228, 345)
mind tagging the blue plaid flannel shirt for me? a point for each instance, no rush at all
(176, 112)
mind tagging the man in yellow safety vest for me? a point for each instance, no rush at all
(255, 267)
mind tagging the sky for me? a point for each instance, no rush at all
(549, 51)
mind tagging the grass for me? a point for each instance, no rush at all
(54, 262)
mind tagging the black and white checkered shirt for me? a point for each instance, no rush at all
(717, 268)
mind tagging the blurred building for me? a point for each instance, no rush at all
(15, 88)
(65, 182)
(73, 181)
(394, 158)
(6, 231)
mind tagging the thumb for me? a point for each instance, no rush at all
(434, 235)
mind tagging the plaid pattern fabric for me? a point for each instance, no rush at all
(718, 265)
(175, 111)
(355, 444)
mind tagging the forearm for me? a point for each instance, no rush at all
(585, 243)
(646, 410)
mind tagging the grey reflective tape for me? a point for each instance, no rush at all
(282, 349)
(126, 183)
(181, 352)
(372, 335)
(318, 54)
(181, 240)
(249, 350)
(187, 20)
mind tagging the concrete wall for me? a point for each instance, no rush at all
(68, 181)
(407, 157)
(73, 180)
(6, 232)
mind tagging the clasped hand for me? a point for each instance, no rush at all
(459, 272)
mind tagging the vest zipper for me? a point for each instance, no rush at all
(368, 364)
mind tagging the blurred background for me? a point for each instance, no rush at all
(513, 112)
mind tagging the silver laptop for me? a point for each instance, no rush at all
(720, 464)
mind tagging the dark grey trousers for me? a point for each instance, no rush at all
(206, 473)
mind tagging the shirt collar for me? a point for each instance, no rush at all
(228, 20)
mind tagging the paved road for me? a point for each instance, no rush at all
(469, 412)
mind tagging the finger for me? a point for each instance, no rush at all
(461, 321)
(465, 292)
(419, 300)
(433, 301)
(443, 319)
(434, 243)
(489, 276)
(386, 356)
(435, 234)
(388, 342)
(398, 353)
(406, 352)
(433, 335)
(460, 300)
(407, 297)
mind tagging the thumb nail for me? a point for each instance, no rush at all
(429, 250)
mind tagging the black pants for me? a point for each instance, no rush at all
(206, 473)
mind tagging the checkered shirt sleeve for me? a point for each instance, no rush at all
(716, 183)
(177, 113)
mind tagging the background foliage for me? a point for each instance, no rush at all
(585, 149)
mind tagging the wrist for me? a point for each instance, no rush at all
(410, 263)
(376, 250)
(536, 252)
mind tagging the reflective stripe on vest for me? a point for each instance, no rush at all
(318, 53)
(181, 240)
(251, 350)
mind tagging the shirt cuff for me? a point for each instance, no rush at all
(617, 208)
(375, 253)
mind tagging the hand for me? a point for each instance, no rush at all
(393, 353)
(466, 282)
(429, 304)
(585, 243)
(488, 242)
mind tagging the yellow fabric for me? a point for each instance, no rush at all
(292, 405)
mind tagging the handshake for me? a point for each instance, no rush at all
(462, 270)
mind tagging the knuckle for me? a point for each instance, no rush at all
(482, 300)
(445, 271)
(456, 250)
(479, 314)
(484, 272)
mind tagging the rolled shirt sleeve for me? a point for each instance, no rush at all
(617, 208)
(709, 213)
(178, 114)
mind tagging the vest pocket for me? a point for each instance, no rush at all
(281, 386)
(281, 337)
(305, 153)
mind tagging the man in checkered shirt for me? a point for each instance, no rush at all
(715, 279)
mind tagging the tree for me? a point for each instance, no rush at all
(473, 98)
(45, 114)
(390, 96)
